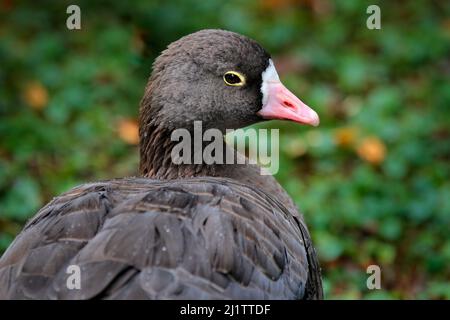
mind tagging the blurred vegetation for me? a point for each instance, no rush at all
(372, 179)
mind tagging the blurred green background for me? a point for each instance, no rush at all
(372, 179)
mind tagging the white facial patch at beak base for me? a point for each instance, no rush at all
(279, 103)
(270, 75)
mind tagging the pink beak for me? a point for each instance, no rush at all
(283, 104)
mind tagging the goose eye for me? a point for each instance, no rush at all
(233, 78)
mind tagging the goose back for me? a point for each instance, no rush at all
(138, 238)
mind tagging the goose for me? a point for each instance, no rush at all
(179, 231)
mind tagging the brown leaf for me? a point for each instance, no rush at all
(372, 150)
(128, 130)
(345, 136)
(36, 95)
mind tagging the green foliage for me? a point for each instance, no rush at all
(372, 179)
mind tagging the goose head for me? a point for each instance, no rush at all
(221, 78)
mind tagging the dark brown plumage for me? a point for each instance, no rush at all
(182, 231)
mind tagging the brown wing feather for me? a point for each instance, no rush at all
(201, 238)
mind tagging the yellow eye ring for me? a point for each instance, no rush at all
(233, 78)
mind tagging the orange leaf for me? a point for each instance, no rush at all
(372, 150)
(128, 130)
(345, 136)
(36, 95)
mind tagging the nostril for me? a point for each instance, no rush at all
(287, 104)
